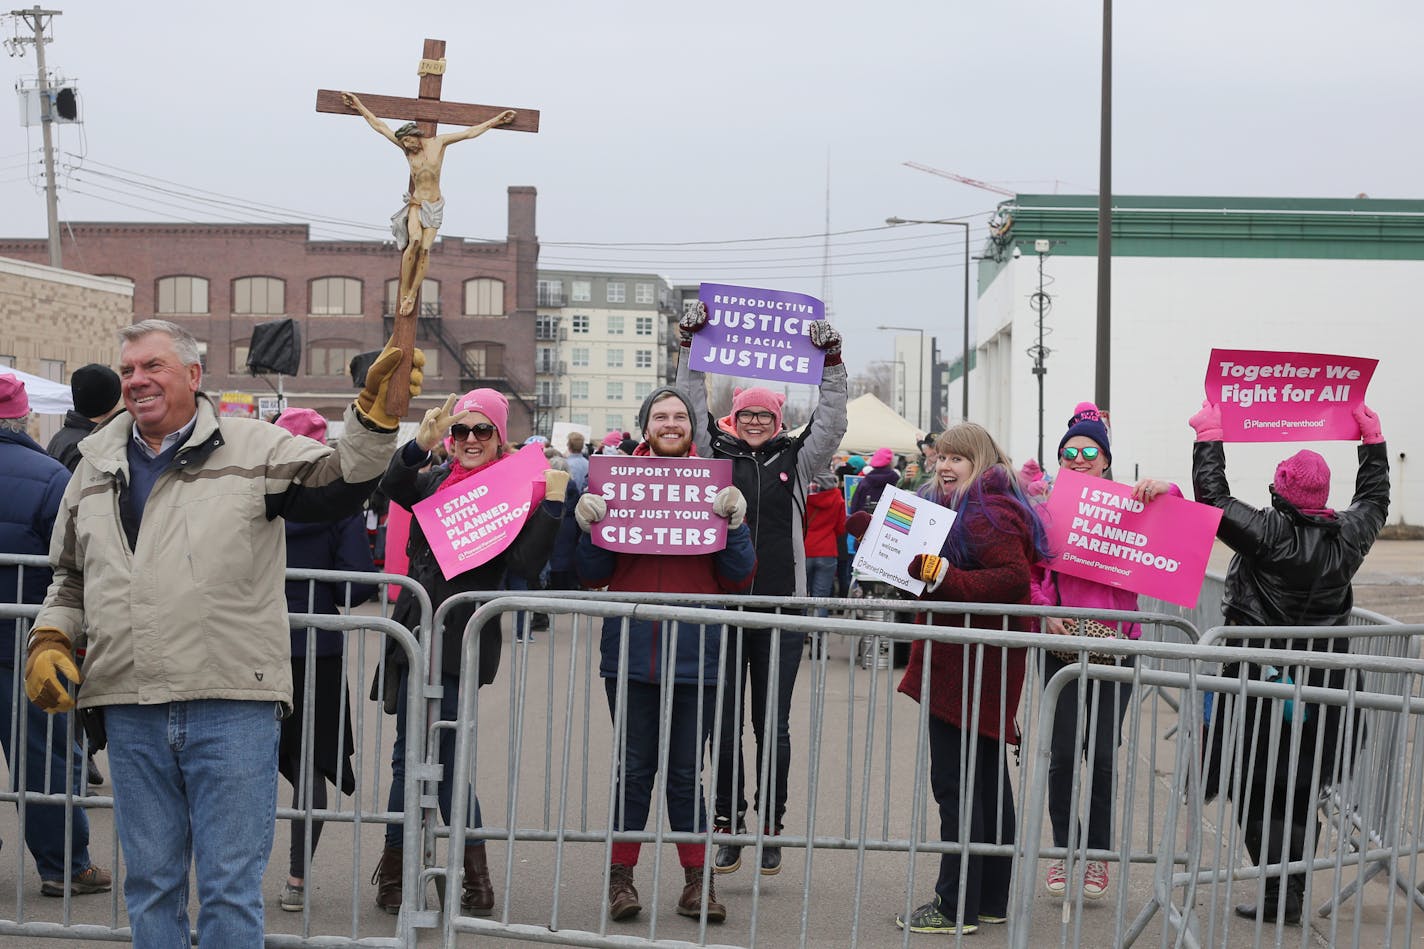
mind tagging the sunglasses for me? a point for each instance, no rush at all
(483, 431)
(1071, 454)
(765, 418)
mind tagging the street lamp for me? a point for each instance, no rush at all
(964, 374)
(919, 373)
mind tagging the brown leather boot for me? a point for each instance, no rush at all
(388, 880)
(691, 902)
(622, 894)
(478, 896)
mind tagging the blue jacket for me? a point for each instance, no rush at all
(339, 545)
(729, 570)
(34, 485)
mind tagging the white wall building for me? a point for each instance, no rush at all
(1190, 274)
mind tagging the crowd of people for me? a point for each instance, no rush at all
(204, 696)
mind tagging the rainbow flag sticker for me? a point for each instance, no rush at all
(900, 516)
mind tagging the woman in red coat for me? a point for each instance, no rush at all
(987, 558)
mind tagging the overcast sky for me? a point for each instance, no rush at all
(670, 125)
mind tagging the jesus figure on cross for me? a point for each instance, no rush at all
(415, 224)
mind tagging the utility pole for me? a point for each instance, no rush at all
(38, 19)
(1041, 303)
(1102, 387)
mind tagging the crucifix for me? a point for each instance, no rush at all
(423, 206)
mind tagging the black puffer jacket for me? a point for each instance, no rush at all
(1290, 568)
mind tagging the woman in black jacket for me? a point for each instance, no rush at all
(476, 427)
(1293, 565)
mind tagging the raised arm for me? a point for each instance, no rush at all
(474, 131)
(692, 383)
(351, 100)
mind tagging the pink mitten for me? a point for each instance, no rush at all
(1207, 423)
(1370, 433)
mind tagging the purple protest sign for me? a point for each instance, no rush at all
(1287, 397)
(659, 505)
(758, 334)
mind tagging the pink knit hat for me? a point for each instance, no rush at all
(303, 422)
(493, 405)
(883, 458)
(1303, 479)
(757, 396)
(14, 401)
(612, 439)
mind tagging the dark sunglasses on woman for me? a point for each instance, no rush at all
(482, 431)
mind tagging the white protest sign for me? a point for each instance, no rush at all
(902, 526)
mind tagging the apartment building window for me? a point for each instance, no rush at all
(578, 389)
(643, 293)
(484, 296)
(330, 357)
(259, 296)
(643, 326)
(579, 357)
(615, 358)
(614, 392)
(641, 390)
(581, 291)
(182, 295)
(52, 369)
(643, 359)
(615, 325)
(335, 296)
(617, 292)
(546, 326)
(240, 348)
(486, 360)
(549, 293)
(579, 418)
(614, 420)
(579, 323)
(429, 297)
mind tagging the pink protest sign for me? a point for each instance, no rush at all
(397, 533)
(659, 505)
(472, 522)
(1287, 397)
(1099, 532)
(758, 334)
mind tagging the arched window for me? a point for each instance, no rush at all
(330, 357)
(484, 296)
(240, 349)
(182, 295)
(259, 296)
(429, 297)
(335, 296)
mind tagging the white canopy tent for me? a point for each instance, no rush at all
(872, 425)
(46, 397)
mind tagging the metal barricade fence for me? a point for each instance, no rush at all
(895, 787)
(323, 920)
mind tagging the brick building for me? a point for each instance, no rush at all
(477, 309)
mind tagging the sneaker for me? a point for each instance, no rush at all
(1055, 880)
(93, 879)
(929, 919)
(292, 898)
(992, 919)
(729, 856)
(1095, 880)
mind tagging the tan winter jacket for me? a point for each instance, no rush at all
(190, 603)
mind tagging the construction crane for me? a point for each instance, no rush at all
(972, 182)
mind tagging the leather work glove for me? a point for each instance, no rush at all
(827, 339)
(929, 568)
(1207, 423)
(436, 424)
(556, 482)
(591, 509)
(371, 400)
(730, 504)
(1370, 433)
(694, 317)
(49, 661)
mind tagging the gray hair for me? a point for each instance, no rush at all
(19, 426)
(183, 342)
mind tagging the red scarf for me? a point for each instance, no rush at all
(459, 472)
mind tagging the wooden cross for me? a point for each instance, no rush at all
(427, 110)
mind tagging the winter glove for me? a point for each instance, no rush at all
(1370, 433)
(1207, 422)
(48, 663)
(694, 317)
(857, 524)
(929, 568)
(590, 509)
(556, 483)
(435, 424)
(730, 504)
(371, 400)
(827, 339)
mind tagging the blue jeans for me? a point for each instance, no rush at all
(194, 782)
(44, 823)
(449, 711)
(821, 578)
